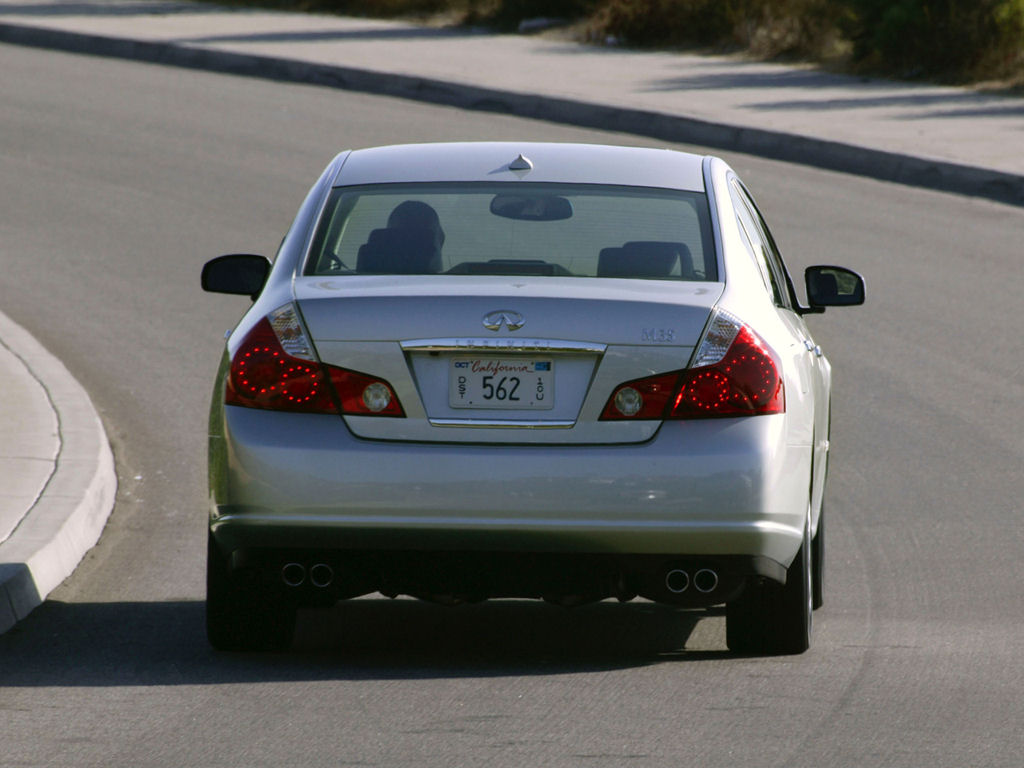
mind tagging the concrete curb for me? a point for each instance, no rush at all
(68, 516)
(928, 173)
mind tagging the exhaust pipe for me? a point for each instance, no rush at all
(293, 574)
(677, 581)
(321, 575)
(705, 580)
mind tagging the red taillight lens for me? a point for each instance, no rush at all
(746, 381)
(263, 375)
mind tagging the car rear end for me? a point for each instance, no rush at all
(514, 380)
(514, 419)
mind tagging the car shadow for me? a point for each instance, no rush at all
(164, 643)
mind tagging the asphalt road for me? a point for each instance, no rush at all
(118, 180)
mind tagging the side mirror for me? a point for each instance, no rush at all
(238, 273)
(833, 287)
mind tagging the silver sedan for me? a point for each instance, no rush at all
(490, 370)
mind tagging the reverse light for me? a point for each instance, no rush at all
(376, 397)
(275, 368)
(628, 401)
(735, 374)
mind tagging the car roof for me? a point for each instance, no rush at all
(547, 162)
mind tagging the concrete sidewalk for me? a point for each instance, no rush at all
(58, 480)
(943, 138)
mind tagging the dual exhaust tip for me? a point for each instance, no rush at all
(677, 581)
(294, 575)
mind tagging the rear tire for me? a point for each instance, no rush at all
(772, 618)
(240, 616)
(818, 562)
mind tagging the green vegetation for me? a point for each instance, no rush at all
(958, 41)
(947, 40)
(955, 40)
(766, 28)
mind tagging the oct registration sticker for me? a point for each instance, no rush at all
(487, 382)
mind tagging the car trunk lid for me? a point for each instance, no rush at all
(504, 359)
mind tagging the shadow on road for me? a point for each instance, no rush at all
(336, 35)
(103, 9)
(145, 644)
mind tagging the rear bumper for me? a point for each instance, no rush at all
(316, 576)
(730, 487)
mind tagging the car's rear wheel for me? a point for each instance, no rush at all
(773, 618)
(818, 563)
(240, 616)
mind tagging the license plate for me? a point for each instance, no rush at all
(488, 382)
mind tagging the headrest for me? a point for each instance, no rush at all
(645, 258)
(406, 251)
(414, 214)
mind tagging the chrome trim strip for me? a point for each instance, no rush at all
(504, 345)
(502, 424)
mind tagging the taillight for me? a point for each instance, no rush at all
(263, 375)
(363, 395)
(274, 368)
(643, 398)
(737, 375)
(745, 382)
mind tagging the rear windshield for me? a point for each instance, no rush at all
(571, 230)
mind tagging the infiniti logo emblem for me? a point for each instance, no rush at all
(511, 320)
